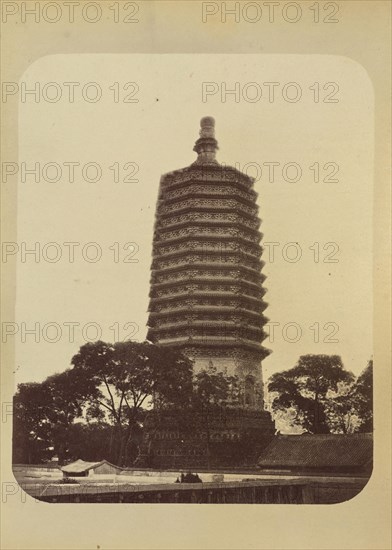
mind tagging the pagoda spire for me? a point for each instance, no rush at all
(206, 146)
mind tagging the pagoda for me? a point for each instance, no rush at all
(206, 295)
(206, 284)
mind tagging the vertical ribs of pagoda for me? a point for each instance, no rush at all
(207, 289)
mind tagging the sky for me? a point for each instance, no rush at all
(317, 230)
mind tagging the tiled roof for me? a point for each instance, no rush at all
(81, 466)
(318, 451)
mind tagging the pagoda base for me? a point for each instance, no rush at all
(225, 438)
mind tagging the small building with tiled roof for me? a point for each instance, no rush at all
(81, 468)
(350, 454)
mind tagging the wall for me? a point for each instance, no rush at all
(319, 491)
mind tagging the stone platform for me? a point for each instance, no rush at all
(219, 439)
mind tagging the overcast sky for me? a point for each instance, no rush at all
(157, 134)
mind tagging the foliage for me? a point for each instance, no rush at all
(97, 441)
(98, 408)
(31, 429)
(111, 386)
(130, 375)
(212, 388)
(128, 378)
(340, 410)
(320, 396)
(304, 389)
(212, 391)
(43, 414)
(363, 398)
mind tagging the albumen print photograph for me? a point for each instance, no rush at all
(182, 331)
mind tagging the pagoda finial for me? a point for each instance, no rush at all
(207, 127)
(206, 146)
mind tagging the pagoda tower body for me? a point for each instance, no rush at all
(207, 290)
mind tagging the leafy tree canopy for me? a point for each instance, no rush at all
(110, 384)
(304, 389)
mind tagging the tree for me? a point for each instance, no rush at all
(212, 391)
(94, 441)
(31, 439)
(363, 398)
(304, 389)
(340, 409)
(69, 395)
(130, 378)
(111, 387)
(43, 414)
(211, 388)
